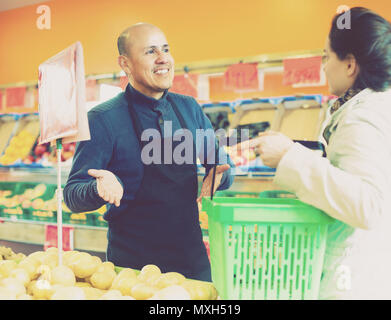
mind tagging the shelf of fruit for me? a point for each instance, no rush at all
(38, 202)
(82, 276)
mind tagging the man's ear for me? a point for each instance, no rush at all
(123, 62)
(352, 65)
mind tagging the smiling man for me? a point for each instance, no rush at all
(152, 208)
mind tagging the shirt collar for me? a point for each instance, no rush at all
(141, 99)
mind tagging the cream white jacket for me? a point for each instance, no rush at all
(352, 185)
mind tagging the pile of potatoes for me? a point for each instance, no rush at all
(85, 277)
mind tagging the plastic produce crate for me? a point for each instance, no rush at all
(266, 249)
(277, 194)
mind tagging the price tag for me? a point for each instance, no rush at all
(302, 70)
(51, 237)
(242, 77)
(15, 96)
(186, 84)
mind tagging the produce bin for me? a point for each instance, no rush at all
(270, 249)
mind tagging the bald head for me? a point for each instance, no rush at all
(124, 40)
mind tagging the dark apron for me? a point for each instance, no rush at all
(161, 225)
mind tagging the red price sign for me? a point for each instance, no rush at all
(302, 70)
(15, 96)
(242, 76)
(185, 84)
(51, 237)
(1, 100)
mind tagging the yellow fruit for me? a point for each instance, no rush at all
(103, 279)
(124, 284)
(38, 204)
(63, 275)
(173, 292)
(142, 291)
(169, 279)
(21, 275)
(6, 266)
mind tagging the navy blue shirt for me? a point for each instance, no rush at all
(114, 146)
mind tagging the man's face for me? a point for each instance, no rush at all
(150, 62)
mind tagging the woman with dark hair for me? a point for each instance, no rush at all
(353, 184)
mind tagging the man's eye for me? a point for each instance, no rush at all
(150, 51)
(166, 50)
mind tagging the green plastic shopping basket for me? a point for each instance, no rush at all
(269, 249)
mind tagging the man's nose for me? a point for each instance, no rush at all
(162, 57)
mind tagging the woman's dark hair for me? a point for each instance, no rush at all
(369, 40)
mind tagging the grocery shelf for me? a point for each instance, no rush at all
(251, 182)
(86, 238)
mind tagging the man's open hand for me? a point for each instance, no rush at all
(108, 186)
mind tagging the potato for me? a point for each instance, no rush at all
(84, 265)
(83, 284)
(6, 266)
(50, 259)
(149, 274)
(124, 284)
(62, 275)
(30, 265)
(169, 279)
(103, 279)
(13, 286)
(39, 255)
(127, 272)
(68, 293)
(109, 265)
(21, 275)
(42, 289)
(92, 293)
(173, 292)
(111, 295)
(142, 291)
(199, 291)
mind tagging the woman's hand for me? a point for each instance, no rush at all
(271, 146)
